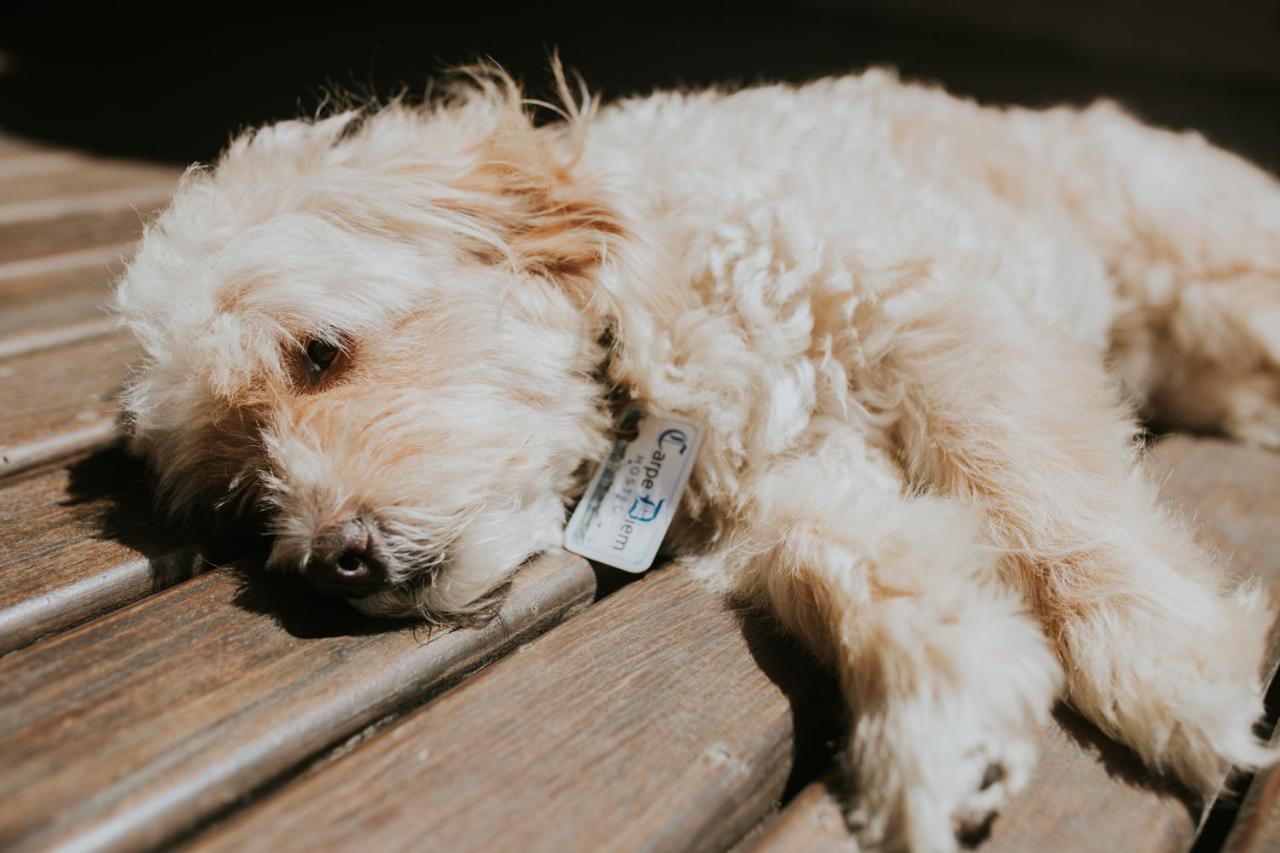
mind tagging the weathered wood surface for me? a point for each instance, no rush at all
(63, 218)
(78, 540)
(60, 176)
(812, 822)
(134, 727)
(50, 301)
(33, 229)
(1257, 825)
(645, 722)
(1087, 793)
(60, 401)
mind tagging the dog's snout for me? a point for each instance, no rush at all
(345, 561)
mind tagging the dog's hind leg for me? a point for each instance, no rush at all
(1191, 236)
(1157, 652)
(945, 670)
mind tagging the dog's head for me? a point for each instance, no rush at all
(375, 329)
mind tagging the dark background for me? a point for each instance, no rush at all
(178, 95)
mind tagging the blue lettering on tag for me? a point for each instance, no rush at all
(630, 501)
(644, 509)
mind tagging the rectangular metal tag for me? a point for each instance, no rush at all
(627, 508)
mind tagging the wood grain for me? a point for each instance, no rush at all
(47, 302)
(79, 540)
(60, 401)
(1087, 793)
(64, 175)
(121, 733)
(813, 822)
(646, 722)
(33, 229)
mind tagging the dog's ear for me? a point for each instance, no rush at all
(528, 183)
(565, 229)
(473, 165)
(554, 221)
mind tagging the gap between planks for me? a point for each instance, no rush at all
(144, 196)
(35, 229)
(1256, 824)
(52, 301)
(100, 256)
(65, 400)
(80, 539)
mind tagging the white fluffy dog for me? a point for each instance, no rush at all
(907, 323)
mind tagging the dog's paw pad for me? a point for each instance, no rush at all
(956, 805)
(990, 775)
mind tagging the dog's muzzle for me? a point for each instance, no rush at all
(345, 560)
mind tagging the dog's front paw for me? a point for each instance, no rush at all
(932, 768)
(943, 795)
(1184, 695)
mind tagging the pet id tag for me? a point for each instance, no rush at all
(626, 510)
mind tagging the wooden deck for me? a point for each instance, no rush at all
(153, 695)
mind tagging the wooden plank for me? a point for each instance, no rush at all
(132, 728)
(1232, 493)
(813, 821)
(1088, 793)
(1257, 824)
(33, 229)
(649, 721)
(47, 302)
(60, 401)
(32, 163)
(50, 178)
(78, 541)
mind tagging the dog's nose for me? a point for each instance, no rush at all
(344, 560)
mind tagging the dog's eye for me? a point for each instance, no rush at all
(320, 354)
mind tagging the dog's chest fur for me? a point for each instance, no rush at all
(803, 232)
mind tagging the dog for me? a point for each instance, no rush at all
(916, 331)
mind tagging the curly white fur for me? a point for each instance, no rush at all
(891, 310)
